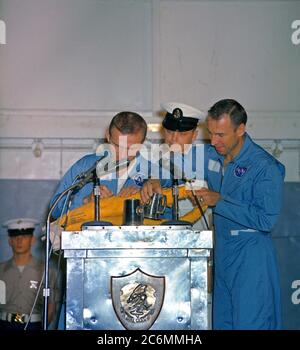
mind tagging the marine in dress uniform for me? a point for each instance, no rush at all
(20, 279)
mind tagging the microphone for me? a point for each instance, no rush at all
(87, 173)
(101, 168)
(111, 167)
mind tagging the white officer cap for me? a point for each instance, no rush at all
(181, 117)
(20, 226)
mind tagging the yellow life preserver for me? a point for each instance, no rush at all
(111, 209)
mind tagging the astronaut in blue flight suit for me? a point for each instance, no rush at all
(126, 134)
(245, 190)
(126, 130)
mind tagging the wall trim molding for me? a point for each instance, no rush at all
(68, 123)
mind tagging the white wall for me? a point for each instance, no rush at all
(69, 65)
(76, 54)
(234, 48)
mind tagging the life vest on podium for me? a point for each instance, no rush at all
(111, 209)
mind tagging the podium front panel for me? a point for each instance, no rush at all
(137, 278)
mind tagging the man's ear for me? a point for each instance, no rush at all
(241, 130)
(33, 240)
(107, 136)
(195, 134)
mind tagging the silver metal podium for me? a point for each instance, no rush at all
(144, 277)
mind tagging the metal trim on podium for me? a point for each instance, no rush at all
(138, 278)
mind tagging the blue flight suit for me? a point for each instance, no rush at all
(136, 178)
(246, 280)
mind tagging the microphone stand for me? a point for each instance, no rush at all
(96, 181)
(97, 197)
(175, 209)
(46, 290)
(198, 203)
(96, 191)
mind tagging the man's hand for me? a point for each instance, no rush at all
(150, 187)
(55, 235)
(128, 191)
(208, 197)
(105, 192)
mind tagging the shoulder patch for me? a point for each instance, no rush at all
(240, 171)
(138, 179)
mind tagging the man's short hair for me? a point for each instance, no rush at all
(231, 107)
(128, 123)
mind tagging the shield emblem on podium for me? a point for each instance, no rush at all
(137, 298)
